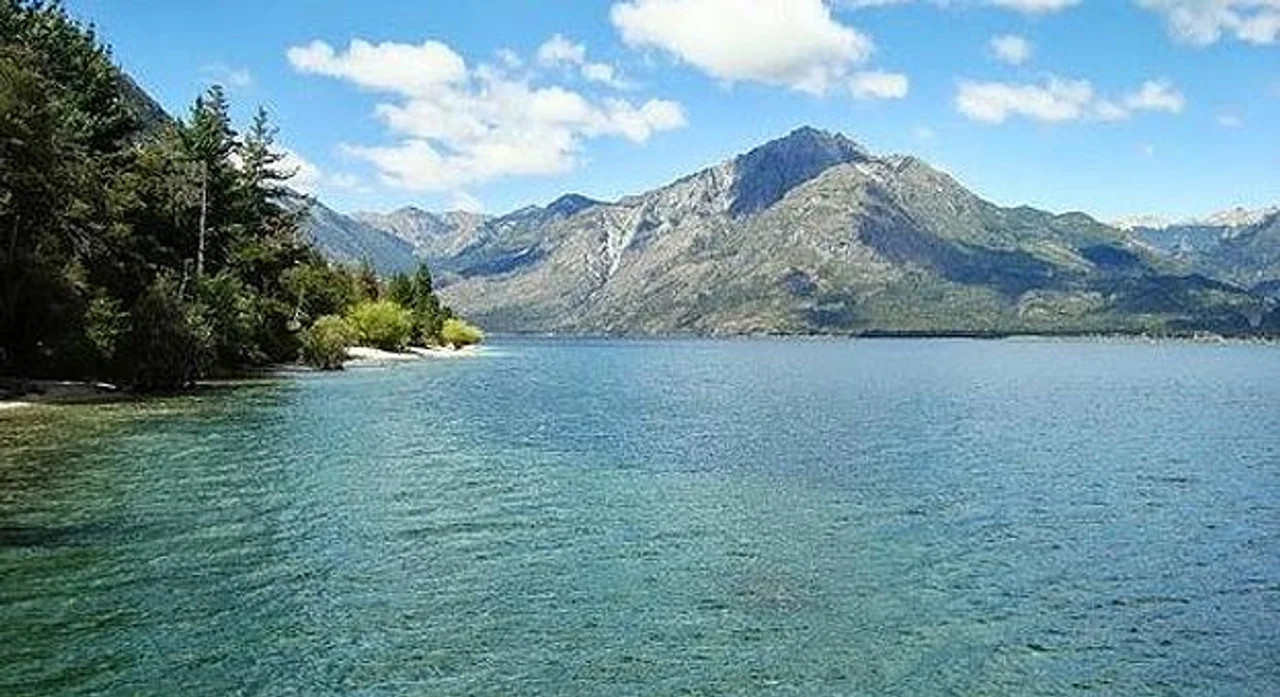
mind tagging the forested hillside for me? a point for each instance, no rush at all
(138, 248)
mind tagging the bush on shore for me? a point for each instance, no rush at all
(457, 333)
(382, 324)
(324, 344)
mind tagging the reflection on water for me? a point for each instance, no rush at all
(590, 518)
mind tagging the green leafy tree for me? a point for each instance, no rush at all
(168, 341)
(325, 343)
(382, 324)
(150, 250)
(457, 333)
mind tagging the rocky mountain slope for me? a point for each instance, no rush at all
(1250, 257)
(347, 240)
(432, 236)
(813, 233)
(1238, 245)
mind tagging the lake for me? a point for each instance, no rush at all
(742, 517)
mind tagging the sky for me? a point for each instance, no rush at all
(1111, 107)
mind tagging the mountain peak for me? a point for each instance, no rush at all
(765, 174)
(410, 211)
(570, 204)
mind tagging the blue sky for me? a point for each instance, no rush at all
(1113, 107)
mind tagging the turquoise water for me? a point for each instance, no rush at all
(658, 518)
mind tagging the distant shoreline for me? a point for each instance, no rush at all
(63, 392)
(977, 335)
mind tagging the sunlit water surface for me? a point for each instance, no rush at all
(654, 518)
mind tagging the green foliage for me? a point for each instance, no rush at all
(168, 342)
(367, 285)
(382, 324)
(324, 344)
(417, 294)
(152, 253)
(317, 288)
(457, 333)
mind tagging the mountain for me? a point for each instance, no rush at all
(812, 233)
(149, 114)
(1250, 257)
(347, 240)
(432, 236)
(1237, 245)
(1196, 235)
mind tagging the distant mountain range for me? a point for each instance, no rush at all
(1238, 245)
(812, 233)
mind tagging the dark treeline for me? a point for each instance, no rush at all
(149, 251)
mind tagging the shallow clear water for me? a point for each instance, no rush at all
(652, 518)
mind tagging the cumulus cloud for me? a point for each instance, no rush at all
(391, 67)
(462, 201)
(1034, 6)
(1058, 99)
(458, 126)
(307, 177)
(227, 76)
(559, 51)
(1030, 7)
(1011, 49)
(1203, 22)
(995, 102)
(875, 84)
(1156, 95)
(789, 43)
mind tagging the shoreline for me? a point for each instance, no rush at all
(1207, 338)
(364, 356)
(18, 394)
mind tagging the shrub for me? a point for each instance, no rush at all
(456, 332)
(382, 324)
(324, 344)
(168, 341)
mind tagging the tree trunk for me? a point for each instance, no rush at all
(204, 216)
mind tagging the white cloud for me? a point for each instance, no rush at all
(875, 84)
(789, 43)
(923, 133)
(1203, 22)
(995, 102)
(559, 52)
(228, 76)
(1030, 7)
(1230, 121)
(341, 180)
(509, 59)
(1034, 6)
(1060, 99)
(401, 68)
(1156, 95)
(462, 201)
(1147, 149)
(458, 127)
(1107, 110)
(1011, 49)
(307, 177)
